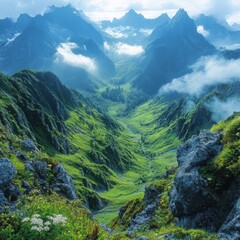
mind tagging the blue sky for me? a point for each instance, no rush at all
(99, 9)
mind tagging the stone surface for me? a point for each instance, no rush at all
(40, 169)
(21, 156)
(8, 191)
(64, 182)
(29, 145)
(151, 200)
(192, 200)
(3, 202)
(230, 230)
(7, 171)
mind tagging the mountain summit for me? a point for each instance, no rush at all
(174, 47)
(60, 38)
(136, 20)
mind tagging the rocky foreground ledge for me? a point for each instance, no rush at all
(194, 201)
(61, 182)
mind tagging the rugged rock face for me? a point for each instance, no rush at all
(64, 183)
(192, 200)
(36, 107)
(61, 182)
(7, 172)
(55, 178)
(231, 228)
(195, 202)
(151, 200)
(8, 191)
(29, 145)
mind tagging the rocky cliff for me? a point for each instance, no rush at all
(206, 195)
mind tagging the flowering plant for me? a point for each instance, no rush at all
(39, 225)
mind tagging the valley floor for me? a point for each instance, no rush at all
(153, 161)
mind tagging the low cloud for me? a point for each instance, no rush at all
(65, 55)
(106, 46)
(221, 110)
(146, 32)
(129, 50)
(208, 71)
(116, 32)
(202, 31)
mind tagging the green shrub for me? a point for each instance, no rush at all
(49, 217)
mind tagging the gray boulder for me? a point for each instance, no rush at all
(21, 156)
(151, 200)
(64, 182)
(8, 191)
(3, 202)
(29, 145)
(192, 200)
(7, 172)
(61, 182)
(141, 219)
(230, 230)
(40, 169)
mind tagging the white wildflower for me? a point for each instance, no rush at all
(58, 219)
(46, 228)
(47, 223)
(36, 221)
(26, 219)
(34, 228)
(39, 229)
(36, 216)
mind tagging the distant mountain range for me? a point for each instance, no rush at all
(219, 34)
(76, 49)
(64, 39)
(136, 20)
(174, 47)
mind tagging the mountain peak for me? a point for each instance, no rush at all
(182, 21)
(133, 14)
(64, 9)
(181, 14)
(132, 11)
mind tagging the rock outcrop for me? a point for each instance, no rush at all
(192, 200)
(60, 181)
(64, 183)
(8, 191)
(29, 145)
(230, 230)
(54, 178)
(151, 200)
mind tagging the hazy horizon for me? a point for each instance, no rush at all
(107, 10)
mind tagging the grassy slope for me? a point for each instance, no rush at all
(157, 152)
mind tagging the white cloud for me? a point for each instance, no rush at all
(221, 110)
(65, 55)
(146, 32)
(129, 50)
(202, 31)
(106, 46)
(206, 72)
(116, 32)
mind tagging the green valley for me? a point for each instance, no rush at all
(119, 130)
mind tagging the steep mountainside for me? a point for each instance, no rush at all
(36, 105)
(174, 48)
(64, 39)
